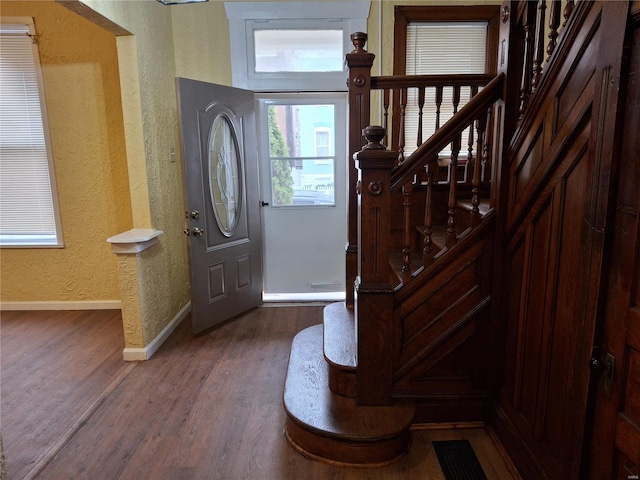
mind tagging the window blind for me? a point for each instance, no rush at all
(435, 48)
(27, 209)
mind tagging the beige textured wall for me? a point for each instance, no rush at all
(83, 100)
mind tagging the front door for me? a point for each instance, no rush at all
(217, 126)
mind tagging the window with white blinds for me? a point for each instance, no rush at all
(435, 48)
(29, 216)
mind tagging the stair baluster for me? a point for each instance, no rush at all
(481, 124)
(469, 165)
(427, 255)
(453, 191)
(527, 65)
(566, 13)
(401, 133)
(420, 108)
(407, 190)
(554, 21)
(439, 89)
(539, 45)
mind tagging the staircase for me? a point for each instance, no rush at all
(324, 421)
(406, 347)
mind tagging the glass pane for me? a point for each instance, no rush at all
(302, 170)
(224, 168)
(298, 50)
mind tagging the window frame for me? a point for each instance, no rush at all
(481, 13)
(55, 240)
(263, 102)
(404, 15)
(245, 17)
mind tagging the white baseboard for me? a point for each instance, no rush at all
(62, 305)
(134, 354)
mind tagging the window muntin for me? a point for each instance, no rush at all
(29, 214)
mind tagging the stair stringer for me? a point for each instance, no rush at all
(440, 330)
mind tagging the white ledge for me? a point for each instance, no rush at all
(135, 240)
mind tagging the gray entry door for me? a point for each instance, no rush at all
(217, 126)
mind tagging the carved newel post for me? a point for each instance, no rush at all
(359, 62)
(374, 294)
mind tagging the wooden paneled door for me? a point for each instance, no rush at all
(615, 442)
(557, 215)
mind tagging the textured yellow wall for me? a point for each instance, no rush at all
(83, 100)
(155, 283)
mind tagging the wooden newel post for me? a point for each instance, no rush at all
(359, 62)
(373, 292)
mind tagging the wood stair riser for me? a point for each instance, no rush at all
(342, 382)
(344, 452)
(333, 428)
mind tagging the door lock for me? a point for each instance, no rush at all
(197, 231)
(195, 214)
(606, 366)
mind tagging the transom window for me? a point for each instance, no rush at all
(292, 46)
(282, 50)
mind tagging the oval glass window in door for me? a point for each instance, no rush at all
(224, 174)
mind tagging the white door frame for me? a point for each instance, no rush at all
(307, 263)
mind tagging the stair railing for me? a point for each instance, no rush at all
(379, 173)
(472, 118)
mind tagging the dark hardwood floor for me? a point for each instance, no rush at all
(204, 407)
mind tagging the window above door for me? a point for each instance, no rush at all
(292, 46)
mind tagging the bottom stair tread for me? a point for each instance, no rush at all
(334, 428)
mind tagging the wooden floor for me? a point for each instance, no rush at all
(205, 407)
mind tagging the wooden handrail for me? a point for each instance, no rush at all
(436, 142)
(417, 81)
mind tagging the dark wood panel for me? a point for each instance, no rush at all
(533, 315)
(526, 166)
(566, 184)
(579, 73)
(515, 282)
(436, 305)
(614, 431)
(632, 391)
(569, 285)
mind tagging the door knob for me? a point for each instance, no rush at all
(264, 204)
(197, 231)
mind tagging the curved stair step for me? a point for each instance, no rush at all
(340, 348)
(332, 428)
